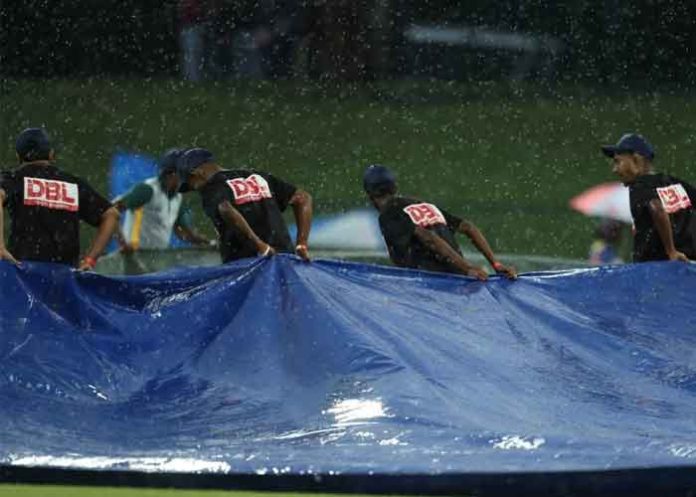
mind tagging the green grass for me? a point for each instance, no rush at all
(73, 491)
(508, 159)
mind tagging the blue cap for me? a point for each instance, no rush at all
(630, 143)
(188, 161)
(168, 162)
(378, 179)
(33, 144)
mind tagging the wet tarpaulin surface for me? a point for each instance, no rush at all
(278, 367)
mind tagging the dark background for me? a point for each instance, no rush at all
(640, 43)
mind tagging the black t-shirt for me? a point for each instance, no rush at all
(46, 206)
(398, 223)
(678, 198)
(260, 198)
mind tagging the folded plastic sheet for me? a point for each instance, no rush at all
(280, 367)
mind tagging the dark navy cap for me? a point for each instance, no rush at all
(33, 144)
(190, 160)
(168, 162)
(630, 143)
(378, 178)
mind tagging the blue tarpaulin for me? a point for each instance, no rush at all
(275, 366)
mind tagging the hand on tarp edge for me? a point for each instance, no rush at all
(508, 271)
(7, 256)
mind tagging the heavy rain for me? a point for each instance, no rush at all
(318, 245)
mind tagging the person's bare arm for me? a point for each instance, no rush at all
(474, 234)
(664, 229)
(189, 235)
(4, 253)
(120, 205)
(443, 249)
(301, 202)
(232, 216)
(107, 226)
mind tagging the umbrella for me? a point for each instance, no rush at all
(356, 229)
(607, 200)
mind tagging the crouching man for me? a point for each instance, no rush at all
(246, 207)
(420, 235)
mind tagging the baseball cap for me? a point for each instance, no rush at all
(188, 161)
(168, 162)
(378, 178)
(630, 143)
(33, 144)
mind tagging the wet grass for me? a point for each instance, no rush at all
(506, 157)
(74, 491)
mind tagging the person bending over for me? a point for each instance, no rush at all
(420, 235)
(46, 205)
(246, 207)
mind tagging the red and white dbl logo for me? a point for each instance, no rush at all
(251, 189)
(51, 193)
(674, 198)
(424, 215)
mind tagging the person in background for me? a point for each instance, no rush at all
(154, 209)
(46, 206)
(661, 205)
(420, 235)
(246, 207)
(263, 34)
(604, 249)
(193, 34)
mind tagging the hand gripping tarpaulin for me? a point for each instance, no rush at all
(275, 366)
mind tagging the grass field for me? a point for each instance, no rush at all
(508, 159)
(71, 491)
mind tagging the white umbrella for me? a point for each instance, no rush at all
(607, 200)
(355, 230)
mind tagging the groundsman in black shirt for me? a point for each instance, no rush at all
(420, 235)
(46, 206)
(246, 207)
(662, 206)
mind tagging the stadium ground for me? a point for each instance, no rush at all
(507, 158)
(71, 491)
